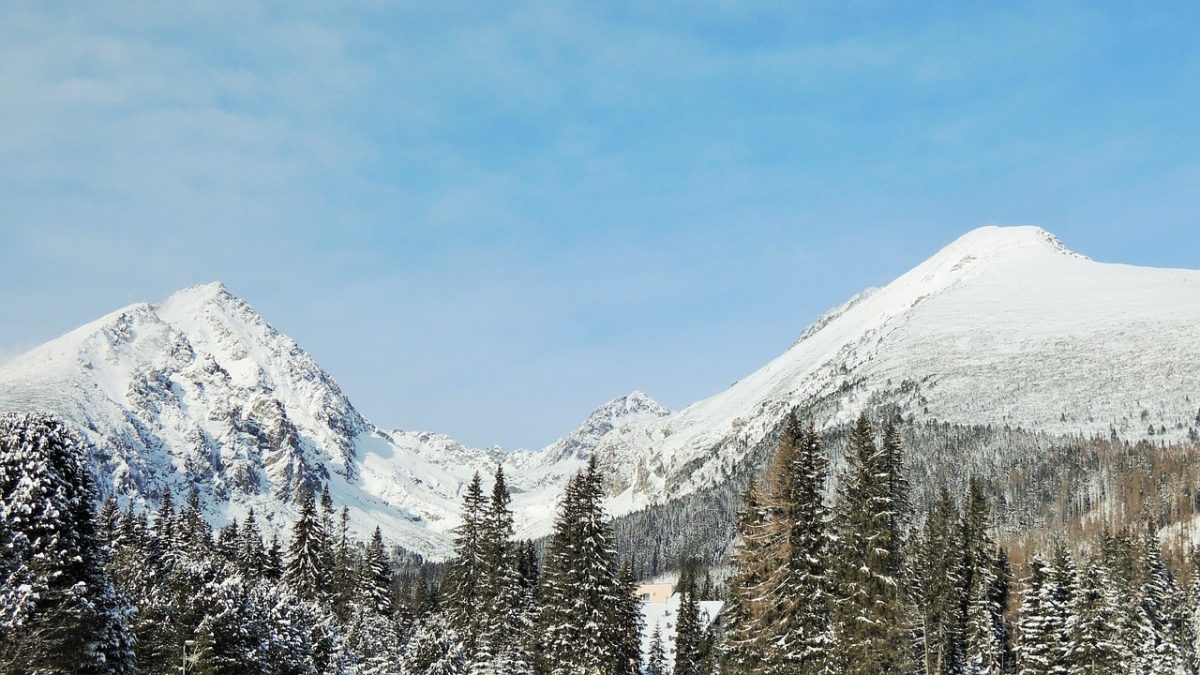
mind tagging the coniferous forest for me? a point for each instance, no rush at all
(833, 571)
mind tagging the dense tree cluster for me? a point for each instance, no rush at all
(836, 570)
(859, 588)
(160, 590)
(58, 609)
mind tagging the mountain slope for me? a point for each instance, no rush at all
(200, 391)
(1005, 326)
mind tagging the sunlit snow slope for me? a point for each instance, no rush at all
(1004, 326)
(199, 391)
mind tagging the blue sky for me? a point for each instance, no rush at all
(488, 218)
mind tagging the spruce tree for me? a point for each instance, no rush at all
(502, 602)
(194, 530)
(629, 620)
(108, 519)
(1038, 635)
(688, 638)
(466, 572)
(229, 542)
(984, 643)
(1001, 597)
(744, 647)
(307, 572)
(984, 631)
(1043, 617)
(1160, 607)
(1064, 586)
(434, 649)
(61, 613)
(800, 616)
(939, 589)
(251, 558)
(376, 580)
(580, 590)
(656, 660)
(343, 567)
(273, 569)
(1093, 639)
(164, 523)
(867, 626)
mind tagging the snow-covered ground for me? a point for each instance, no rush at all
(1004, 326)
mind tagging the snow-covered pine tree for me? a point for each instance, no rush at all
(630, 620)
(1093, 638)
(798, 615)
(252, 556)
(1036, 644)
(744, 647)
(867, 610)
(273, 570)
(656, 660)
(1001, 596)
(688, 638)
(1160, 612)
(231, 631)
(1064, 585)
(502, 601)
(229, 541)
(194, 531)
(580, 589)
(307, 572)
(140, 574)
(465, 573)
(343, 567)
(376, 579)
(164, 518)
(939, 588)
(327, 511)
(984, 640)
(434, 649)
(375, 640)
(1191, 613)
(108, 519)
(898, 513)
(1042, 648)
(983, 615)
(63, 615)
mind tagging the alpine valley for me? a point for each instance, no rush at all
(1000, 353)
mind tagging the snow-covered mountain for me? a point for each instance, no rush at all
(201, 391)
(1005, 326)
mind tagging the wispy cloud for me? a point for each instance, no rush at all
(437, 197)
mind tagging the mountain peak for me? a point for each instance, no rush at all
(197, 296)
(992, 241)
(634, 402)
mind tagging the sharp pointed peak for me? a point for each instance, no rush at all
(634, 401)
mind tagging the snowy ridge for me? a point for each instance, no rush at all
(201, 391)
(1004, 326)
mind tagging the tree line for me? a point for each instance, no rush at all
(830, 574)
(124, 590)
(858, 587)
